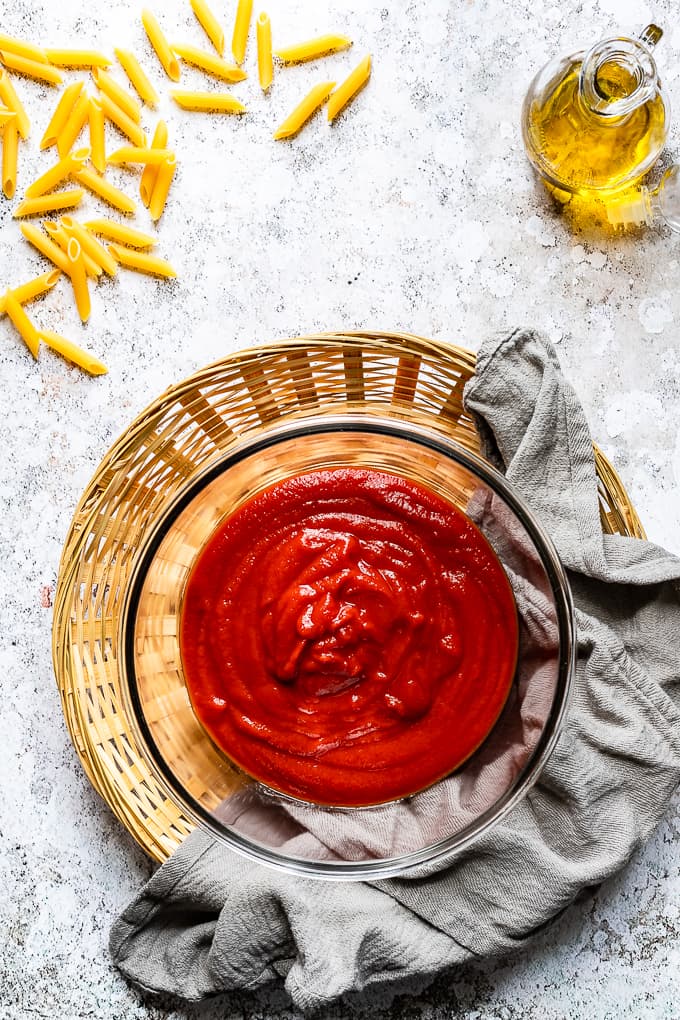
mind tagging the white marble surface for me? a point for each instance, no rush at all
(417, 211)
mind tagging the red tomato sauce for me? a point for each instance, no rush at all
(348, 637)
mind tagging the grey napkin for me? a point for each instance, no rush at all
(210, 921)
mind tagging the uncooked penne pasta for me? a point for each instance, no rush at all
(159, 141)
(166, 171)
(215, 102)
(131, 154)
(312, 49)
(34, 288)
(61, 237)
(31, 68)
(90, 245)
(22, 49)
(348, 88)
(12, 102)
(209, 24)
(209, 62)
(97, 135)
(304, 110)
(127, 103)
(70, 164)
(160, 44)
(49, 203)
(75, 122)
(138, 79)
(126, 125)
(10, 150)
(239, 40)
(6, 115)
(70, 351)
(23, 324)
(103, 189)
(265, 64)
(122, 233)
(61, 114)
(141, 261)
(78, 275)
(45, 246)
(77, 58)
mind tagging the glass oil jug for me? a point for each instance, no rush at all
(596, 121)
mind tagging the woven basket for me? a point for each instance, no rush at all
(188, 427)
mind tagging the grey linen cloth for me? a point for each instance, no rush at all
(210, 921)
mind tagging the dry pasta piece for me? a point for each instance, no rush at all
(347, 89)
(304, 110)
(209, 62)
(12, 102)
(265, 64)
(6, 115)
(160, 44)
(127, 103)
(49, 203)
(77, 58)
(166, 171)
(141, 261)
(138, 79)
(312, 49)
(78, 275)
(30, 68)
(105, 190)
(61, 114)
(22, 49)
(10, 151)
(23, 324)
(76, 121)
(125, 124)
(122, 233)
(215, 102)
(61, 236)
(160, 140)
(239, 40)
(131, 154)
(45, 246)
(70, 164)
(209, 24)
(33, 289)
(70, 351)
(97, 135)
(90, 245)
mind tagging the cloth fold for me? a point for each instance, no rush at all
(211, 921)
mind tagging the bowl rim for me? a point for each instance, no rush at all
(432, 855)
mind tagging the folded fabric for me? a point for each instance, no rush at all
(210, 921)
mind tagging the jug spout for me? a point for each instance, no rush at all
(619, 75)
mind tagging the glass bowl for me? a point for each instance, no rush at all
(424, 829)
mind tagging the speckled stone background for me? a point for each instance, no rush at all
(417, 211)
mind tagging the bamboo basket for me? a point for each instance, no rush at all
(185, 429)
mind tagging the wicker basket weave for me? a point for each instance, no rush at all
(189, 426)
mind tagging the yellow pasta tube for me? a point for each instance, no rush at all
(61, 236)
(75, 122)
(347, 89)
(49, 203)
(122, 233)
(215, 102)
(61, 114)
(12, 102)
(90, 245)
(265, 64)
(97, 135)
(45, 246)
(209, 24)
(23, 324)
(138, 79)
(6, 115)
(77, 58)
(166, 171)
(239, 40)
(141, 261)
(59, 172)
(78, 275)
(304, 110)
(70, 351)
(33, 289)
(126, 125)
(311, 49)
(30, 68)
(159, 141)
(160, 44)
(131, 154)
(10, 149)
(127, 103)
(209, 62)
(22, 49)
(103, 189)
